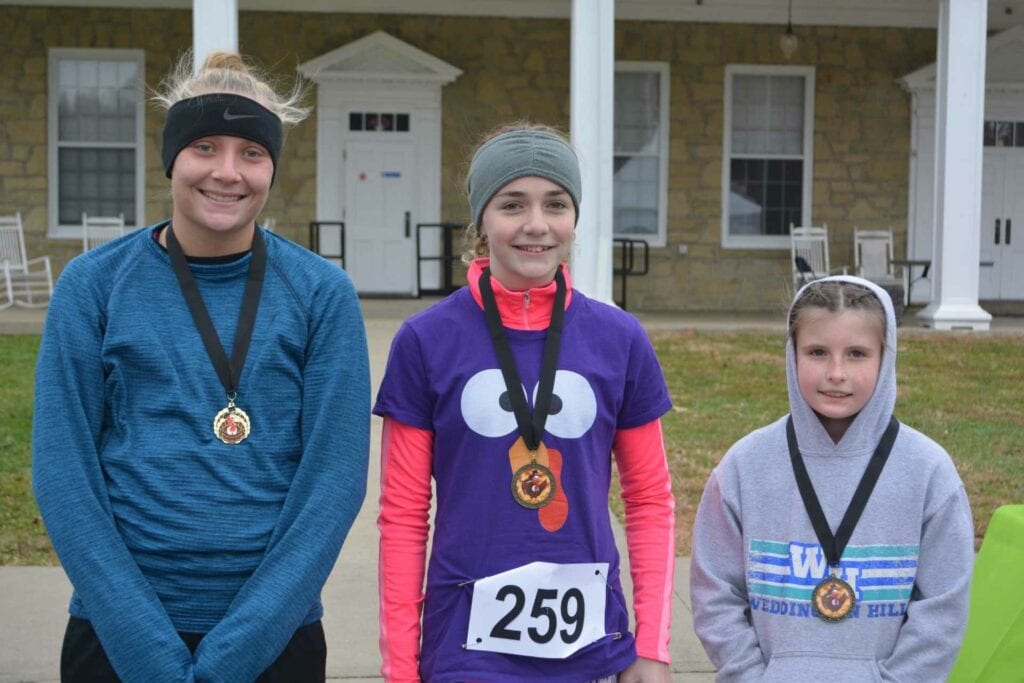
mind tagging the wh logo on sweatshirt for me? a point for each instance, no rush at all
(781, 576)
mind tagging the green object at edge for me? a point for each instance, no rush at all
(993, 648)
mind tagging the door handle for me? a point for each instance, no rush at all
(997, 231)
(1009, 225)
(408, 226)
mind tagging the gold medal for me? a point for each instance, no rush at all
(231, 425)
(833, 599)
(533, 485)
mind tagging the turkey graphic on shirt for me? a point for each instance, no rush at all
(487, 410)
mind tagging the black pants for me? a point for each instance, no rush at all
(304, 659)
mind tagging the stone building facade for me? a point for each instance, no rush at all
(514, 69)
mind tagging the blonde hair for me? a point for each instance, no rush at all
(836, 297)
(475, 241)
(228, 72)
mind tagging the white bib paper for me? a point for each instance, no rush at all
(541, 609)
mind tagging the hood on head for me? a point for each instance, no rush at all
(867, 428)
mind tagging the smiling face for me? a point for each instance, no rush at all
(219, 184)
(529, 225)
(838, 356)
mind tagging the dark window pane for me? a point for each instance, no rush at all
(387, 122)
(373, 122)
(100, 182)
(746, 200)
(989, 134)
(793, 195)
(756, 192)
(355, 121)
(402, 122)
(795, 171)
(1004, 134)
(738, 169)
(794, 216)
(766, 195)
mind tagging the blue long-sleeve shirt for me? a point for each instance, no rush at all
(161, 527)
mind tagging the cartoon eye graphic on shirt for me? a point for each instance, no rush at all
(573, 405)
(486, 407)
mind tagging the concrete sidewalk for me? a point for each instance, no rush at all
(33, 600)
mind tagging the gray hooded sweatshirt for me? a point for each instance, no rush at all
(756, 557)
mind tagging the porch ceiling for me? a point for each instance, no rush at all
(1002, 14)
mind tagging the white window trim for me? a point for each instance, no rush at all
(662, 69)
(767, 241)
(55, 229)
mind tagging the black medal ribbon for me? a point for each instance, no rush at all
(229, 371)
(531, 427)
(833, 546)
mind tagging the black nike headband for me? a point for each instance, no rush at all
(220, 114)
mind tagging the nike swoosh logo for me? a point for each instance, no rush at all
(228, 116)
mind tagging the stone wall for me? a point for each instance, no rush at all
(517, 69)
(27, 34)
(861, 152)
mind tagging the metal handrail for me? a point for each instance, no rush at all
(447, 257)
(627, 266)
(314, 239)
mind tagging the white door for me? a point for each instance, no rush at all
(380, 195)
(1012, 276)
(1002, 225)
(992, 192)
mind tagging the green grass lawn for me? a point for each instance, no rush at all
(22, 537)
(962, 390)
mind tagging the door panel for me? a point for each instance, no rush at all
(992, 192)
(379, 192)
(1002, 225)
(1012, 275)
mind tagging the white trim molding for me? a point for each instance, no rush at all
(379, 57)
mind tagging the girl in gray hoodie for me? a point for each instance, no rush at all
(836, 543)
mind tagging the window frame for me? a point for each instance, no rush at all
(730, 241)
(662, 69)
(56, 230)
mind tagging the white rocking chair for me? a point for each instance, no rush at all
(27, 282)
(872, 256)
(97, 230)
(808, 250)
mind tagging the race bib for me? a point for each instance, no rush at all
(541, 609)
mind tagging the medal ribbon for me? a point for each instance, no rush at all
(833, 546)
(531, 427)
(229, 371)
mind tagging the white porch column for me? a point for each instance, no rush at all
(214, 27)
(592, 105)
(960, 115)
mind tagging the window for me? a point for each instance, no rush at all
(1003, 134)
(96, 137)
(378, 122)
(766, 176)
(640, 186)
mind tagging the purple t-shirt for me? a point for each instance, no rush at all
(443, 375)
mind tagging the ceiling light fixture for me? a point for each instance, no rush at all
(788, 40)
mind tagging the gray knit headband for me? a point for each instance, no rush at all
(518, 154)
